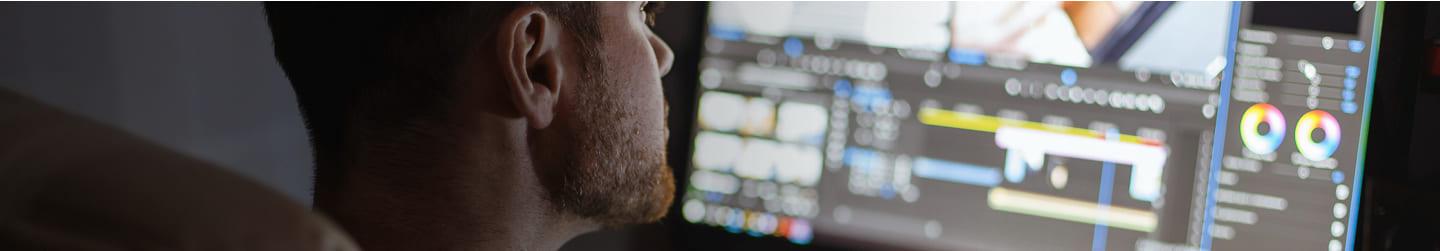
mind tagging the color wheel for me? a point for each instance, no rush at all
(1250, 128)
(1312, 120)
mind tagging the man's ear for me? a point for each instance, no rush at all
(530, 63)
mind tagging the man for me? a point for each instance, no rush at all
(513, 126)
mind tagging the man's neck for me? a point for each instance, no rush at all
(489, 198)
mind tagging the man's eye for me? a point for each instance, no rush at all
(649, 10)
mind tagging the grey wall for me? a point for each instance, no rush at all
(199, 78)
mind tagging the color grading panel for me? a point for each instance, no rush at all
(1290, 174)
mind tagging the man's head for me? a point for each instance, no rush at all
(404, 84)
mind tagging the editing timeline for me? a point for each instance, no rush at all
(963, 133)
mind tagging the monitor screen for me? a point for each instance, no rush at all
(1021, 125)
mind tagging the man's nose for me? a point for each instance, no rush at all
(664, 57)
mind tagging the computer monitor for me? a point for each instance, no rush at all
(1031, 125)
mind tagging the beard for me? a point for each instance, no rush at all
(604, 163)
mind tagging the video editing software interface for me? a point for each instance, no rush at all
(1034, 125)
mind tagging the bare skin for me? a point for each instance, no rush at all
(68, 183)
(533, 130)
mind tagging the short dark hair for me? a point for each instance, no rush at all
(386, 66)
